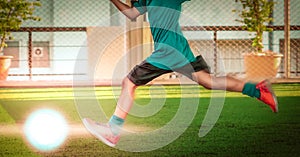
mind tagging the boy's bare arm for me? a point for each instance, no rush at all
(131, 13)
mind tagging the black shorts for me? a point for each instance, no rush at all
(146, 72)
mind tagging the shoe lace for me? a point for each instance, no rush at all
(262, 87)
(109, 135)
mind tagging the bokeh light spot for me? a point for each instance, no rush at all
(46, 129)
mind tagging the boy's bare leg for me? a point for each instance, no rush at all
(126, 99)
(109, 133)
(262, 91)
(219, 83)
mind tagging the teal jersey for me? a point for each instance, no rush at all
(171, 48)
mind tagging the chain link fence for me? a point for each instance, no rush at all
(295, 40)
(66, 43)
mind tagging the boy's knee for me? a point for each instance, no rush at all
(204, 79)
(128, 83)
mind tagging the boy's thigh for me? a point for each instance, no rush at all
(145, 72)
(198, 65)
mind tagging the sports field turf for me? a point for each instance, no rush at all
(246, 127)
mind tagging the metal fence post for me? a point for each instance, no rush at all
(215, 53)
(30, 54)
(287, 44)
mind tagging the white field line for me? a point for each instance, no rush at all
(75, 130)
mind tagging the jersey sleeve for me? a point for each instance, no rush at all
(182, 1)
(140, 5)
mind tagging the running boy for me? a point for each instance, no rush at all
(171, 53)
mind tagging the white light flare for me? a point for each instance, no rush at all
(46, 129)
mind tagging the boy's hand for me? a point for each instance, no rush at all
(131, 12)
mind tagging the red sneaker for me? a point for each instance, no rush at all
(267, 95)
(102, 132)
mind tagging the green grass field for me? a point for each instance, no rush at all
(246, 127)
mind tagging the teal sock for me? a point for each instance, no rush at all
(250, 90)
(116, 124)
